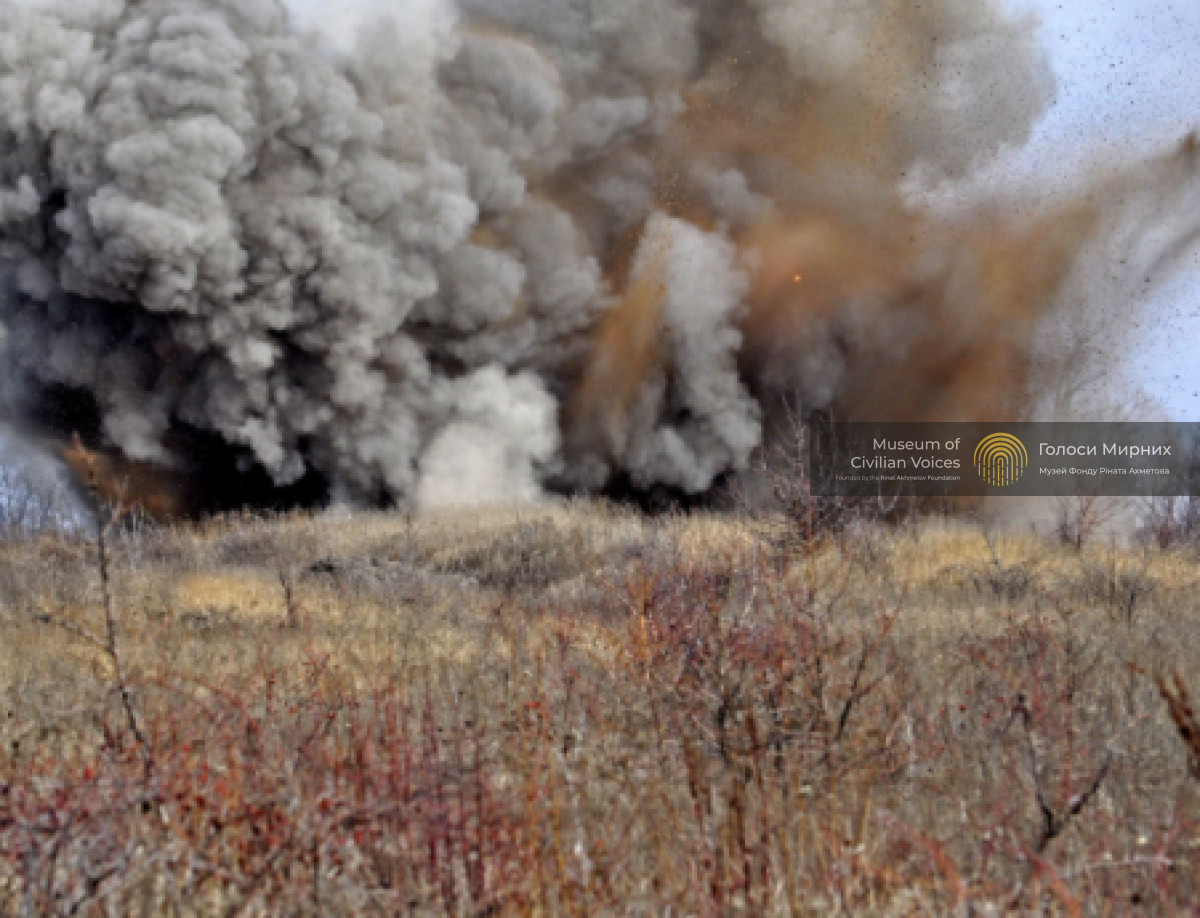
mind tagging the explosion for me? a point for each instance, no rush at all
(558, 244)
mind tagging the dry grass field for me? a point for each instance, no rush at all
(577, 710)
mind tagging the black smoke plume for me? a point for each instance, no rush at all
(554, 243)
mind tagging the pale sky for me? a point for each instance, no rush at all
(1129, 74)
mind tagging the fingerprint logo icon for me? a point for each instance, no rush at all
(1001, 460)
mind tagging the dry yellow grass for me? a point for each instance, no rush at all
(688, 712)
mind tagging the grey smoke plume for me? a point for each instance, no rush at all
(536, 240)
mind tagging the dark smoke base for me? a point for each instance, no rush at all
(222, 479)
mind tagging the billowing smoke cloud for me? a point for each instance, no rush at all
(521, 242)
